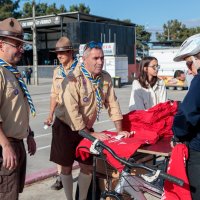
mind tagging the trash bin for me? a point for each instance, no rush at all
(116, 82)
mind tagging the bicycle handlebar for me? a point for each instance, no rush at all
(130, 164)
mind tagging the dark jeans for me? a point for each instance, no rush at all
(28, 80)
(193, 170)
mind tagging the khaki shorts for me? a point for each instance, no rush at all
(12, 181)
(64, 143)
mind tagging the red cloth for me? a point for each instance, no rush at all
(158, 118)
(176, 168)
(148, 126)
(125, 147)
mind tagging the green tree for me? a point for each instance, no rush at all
(9, 8)
(142, 38)
(81, 8)
(174, 30)
(42, 9)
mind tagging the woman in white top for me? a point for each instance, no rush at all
(148, 90)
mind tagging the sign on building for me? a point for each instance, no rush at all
(109, 49)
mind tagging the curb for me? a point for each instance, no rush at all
(44, 174)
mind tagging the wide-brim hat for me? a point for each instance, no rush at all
(11, 28)
(63, 44)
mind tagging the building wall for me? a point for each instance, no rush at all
(81, 32)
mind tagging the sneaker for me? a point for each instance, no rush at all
(58, 184)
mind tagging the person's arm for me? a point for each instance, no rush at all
(162, 92)
(53, 104)
(118, 126)
(114, 110)
(9, 156)
(188, 115)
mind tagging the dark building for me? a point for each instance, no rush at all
(80, 28)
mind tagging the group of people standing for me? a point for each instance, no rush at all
(79, 92)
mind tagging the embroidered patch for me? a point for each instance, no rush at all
(16, 92)
(85, 99)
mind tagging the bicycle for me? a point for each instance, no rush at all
(133, 185)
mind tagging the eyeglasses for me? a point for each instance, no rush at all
(189, 64)
(17, 46)
(92, 45)
(155, 67)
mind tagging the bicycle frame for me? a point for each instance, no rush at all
(135, 186)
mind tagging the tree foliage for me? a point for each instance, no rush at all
(174, 30)
(42, 9)
(9, 8)
(81, 8)
(142, 38)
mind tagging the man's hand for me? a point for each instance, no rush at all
(49, 120)
(125, 134)
(31, 145)
(100, 136)
(9, 157)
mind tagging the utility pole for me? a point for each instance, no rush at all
(168, 33)
(35, 58)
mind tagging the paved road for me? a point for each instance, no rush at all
(39, 163)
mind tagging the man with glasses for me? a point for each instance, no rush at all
(15, 104)
(64, 51)
(186, 126)
(83, 98)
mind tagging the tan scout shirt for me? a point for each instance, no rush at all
(57, 80)
(14, 108)
(78, 108)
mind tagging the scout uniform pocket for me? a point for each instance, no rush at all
(6, 177)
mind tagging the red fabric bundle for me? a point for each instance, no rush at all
(176, 168)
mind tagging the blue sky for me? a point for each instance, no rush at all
(150, 13)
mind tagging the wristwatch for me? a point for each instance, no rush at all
(31, 133)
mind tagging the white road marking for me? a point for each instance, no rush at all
(43, 135)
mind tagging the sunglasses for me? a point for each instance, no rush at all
(93, 44)
(189, 64)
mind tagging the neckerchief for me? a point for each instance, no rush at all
(94, 82)
(21, 84)
(61, 71)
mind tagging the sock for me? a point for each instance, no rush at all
(67, 182)
(84, 181)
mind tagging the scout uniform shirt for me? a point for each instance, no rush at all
(57, 80)
(14, 108)
(79, 108)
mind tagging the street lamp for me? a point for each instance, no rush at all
(35, 58)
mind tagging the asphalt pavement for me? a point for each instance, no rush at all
(40, 171)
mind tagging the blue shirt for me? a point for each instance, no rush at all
(186, 125)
